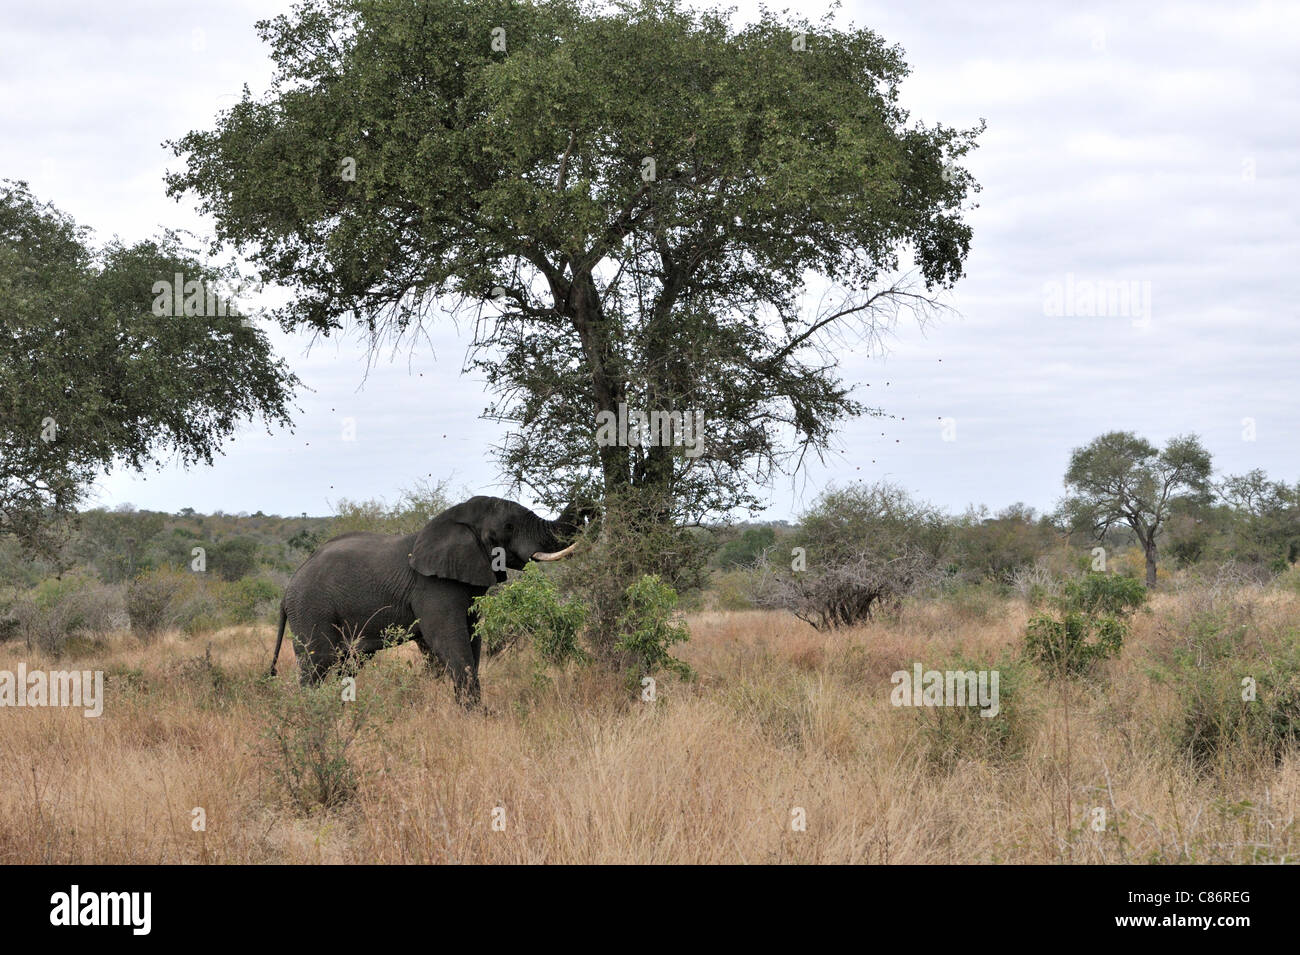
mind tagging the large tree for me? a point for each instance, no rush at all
(631, 200)
(1122, 479)
(91, 377)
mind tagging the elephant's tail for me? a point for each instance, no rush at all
(279, 638)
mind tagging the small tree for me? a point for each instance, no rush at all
(1122, 479)
(648, 630)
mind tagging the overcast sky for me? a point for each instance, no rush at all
(1149, 150)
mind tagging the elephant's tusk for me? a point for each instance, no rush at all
(558, 555)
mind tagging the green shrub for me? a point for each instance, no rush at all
(1074, 642)
(234, 558)
(1105, 594)
(153, 597)
(745, 550)
(647, 629)
(529, 610)
(248, 600)
(1089, 624)
(1233, 700)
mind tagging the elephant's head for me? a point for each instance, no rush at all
(475, 541)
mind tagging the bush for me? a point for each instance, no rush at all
(529, 609)
(1105, 594)
(1089, 625)
(954, 733)
(994, 548)
(161, 599)
(1222, 660)
(234, 558)
(310, 739)
(248, 600)
(1036, 584)
(58, 611)
(745, 550)
(866, 548)
(632, 538)
(152, 600)
(409, 514)
(648, 631)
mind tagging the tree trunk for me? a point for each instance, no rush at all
(1151, 565)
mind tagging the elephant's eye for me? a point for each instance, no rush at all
(510, 528)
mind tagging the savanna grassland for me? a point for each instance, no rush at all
(573, 767)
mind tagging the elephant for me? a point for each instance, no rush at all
(355, 586)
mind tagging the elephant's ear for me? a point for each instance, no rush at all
(451, 550)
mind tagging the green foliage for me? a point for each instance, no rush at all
(629, 540)
(1089, 624)
(994, 548)
(306, 540)
(1072, 643)
(617, 286)
(195, 603)
(1122, 479)
(745, 550)
(648, 630)
(249, 599)
(146, 385)
(234, 557)
(1108, 594)
(1217, 721)
(529, 610)
(310, 737)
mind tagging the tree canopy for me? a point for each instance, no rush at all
(631, 202)
(91, 377)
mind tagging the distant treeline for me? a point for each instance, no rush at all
(1253, 522)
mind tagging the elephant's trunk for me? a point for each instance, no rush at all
(564, 529)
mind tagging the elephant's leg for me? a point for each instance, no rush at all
(316, 654)
(434, 662)
(475, 641)
(449, 640)
(314, 663)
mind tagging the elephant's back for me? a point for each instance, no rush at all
(353, 555)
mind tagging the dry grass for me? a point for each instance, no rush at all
(781, 717)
